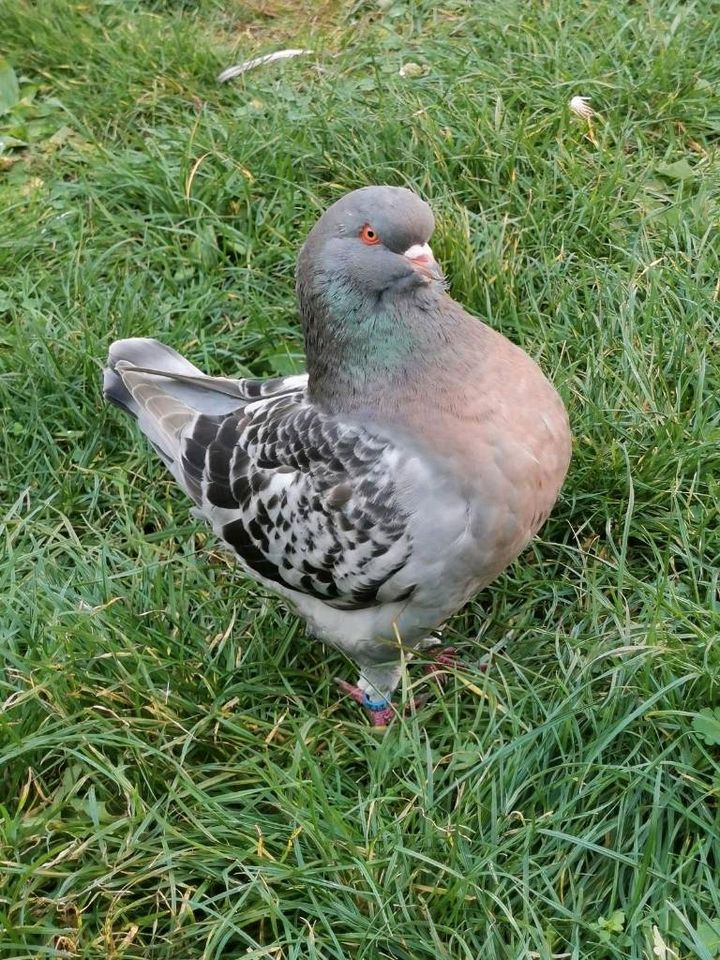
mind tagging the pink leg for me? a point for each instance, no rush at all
(446, 657)
(380, 713)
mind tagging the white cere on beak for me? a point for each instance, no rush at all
(420, 252)
(421, 257)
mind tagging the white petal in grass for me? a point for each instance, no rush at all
(231, 72)
(581, 107)
(661, 949)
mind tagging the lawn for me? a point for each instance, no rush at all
(178, 776)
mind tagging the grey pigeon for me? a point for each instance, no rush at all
(381, 490)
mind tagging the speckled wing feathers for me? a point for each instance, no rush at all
(306, 501)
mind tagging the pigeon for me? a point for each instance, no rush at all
(383, 488)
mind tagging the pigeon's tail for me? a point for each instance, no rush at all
(140, 353)
(165, 393)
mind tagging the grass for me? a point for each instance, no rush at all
(178, 777)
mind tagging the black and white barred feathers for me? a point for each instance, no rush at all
(306, 501)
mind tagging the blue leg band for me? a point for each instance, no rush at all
(375, 704)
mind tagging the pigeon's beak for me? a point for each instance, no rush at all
(421, 257)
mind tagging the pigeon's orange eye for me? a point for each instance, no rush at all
(368, 235)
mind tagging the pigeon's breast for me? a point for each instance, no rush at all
(505, 440)
(512, 466)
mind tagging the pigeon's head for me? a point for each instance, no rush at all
(373, 241)
(372, 298)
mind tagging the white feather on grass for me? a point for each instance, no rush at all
(231, 72)
(581, 107)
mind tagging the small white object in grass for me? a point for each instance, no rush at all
(231, 72)
(581, 107)
(412, 70)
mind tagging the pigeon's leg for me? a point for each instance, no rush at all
(440, 656)
(374, 690)
(447, 658)
(444, 657)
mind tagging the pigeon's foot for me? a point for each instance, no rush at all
(380, 712)
(448, 658)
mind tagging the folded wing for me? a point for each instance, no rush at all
(309, 503)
